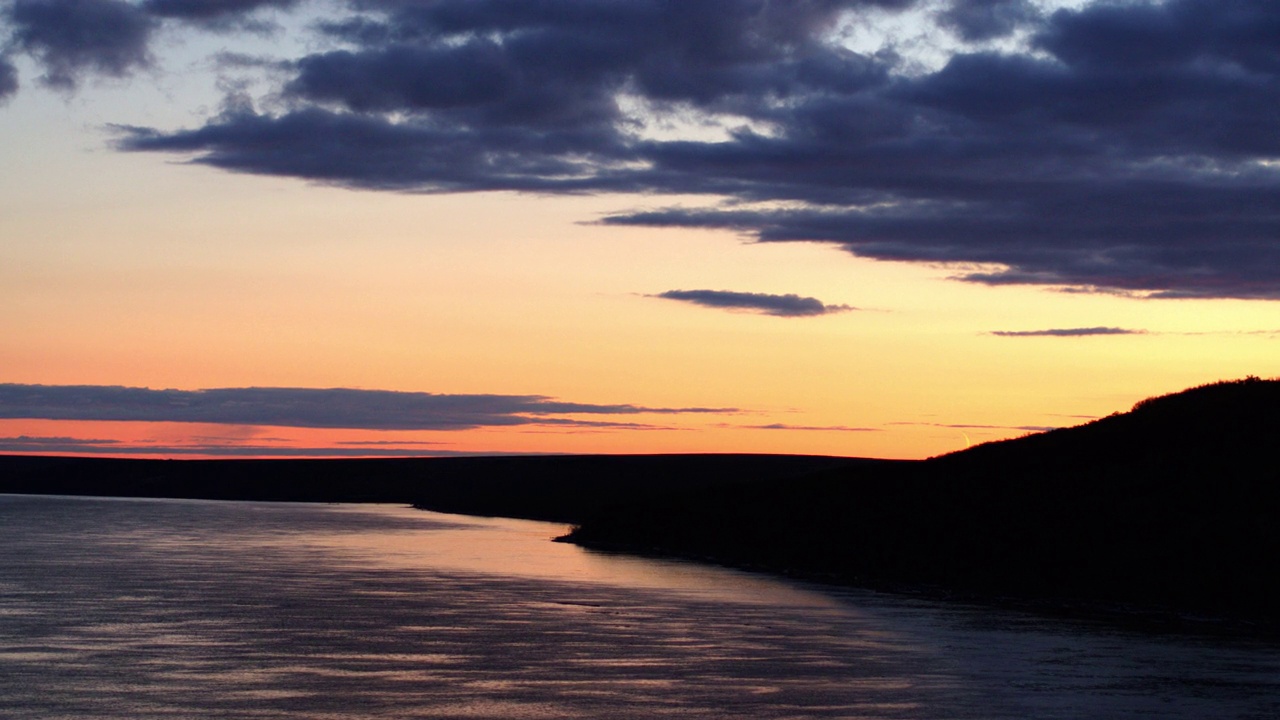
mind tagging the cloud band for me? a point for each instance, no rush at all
(306, 407)
(789, 305)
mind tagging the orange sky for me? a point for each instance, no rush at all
(271, 282)
(135, 270)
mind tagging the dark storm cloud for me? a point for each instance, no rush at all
(788, 305)
(1140, 235)
(978, 20)
(1068, 332)
(516, 95)
(305, 407)
(1128, 147)
(210, 10)
(8, 79)
(535, 63)
(72, 37)
(367, 151)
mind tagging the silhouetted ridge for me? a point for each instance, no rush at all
(563, 488)
(1218, 418)
(1172, 504)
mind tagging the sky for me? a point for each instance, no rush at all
(879, 228)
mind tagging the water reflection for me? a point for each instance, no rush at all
(520, 548)
(170, 609)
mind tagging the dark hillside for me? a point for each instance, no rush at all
(1173, 504)
(1222, 423)
(563, 488)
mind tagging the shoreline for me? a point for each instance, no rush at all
(1148, 619)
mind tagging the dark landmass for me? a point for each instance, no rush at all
(558, 488)
(1172, 506)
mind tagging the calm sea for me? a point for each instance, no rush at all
(144, 609)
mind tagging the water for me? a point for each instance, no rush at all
(142, 609)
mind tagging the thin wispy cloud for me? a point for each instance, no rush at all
(972, 426)
(389, 443)
(29, 443)
(1239, 333)
(807, 428)
(310, 408)
(1068, 332)
(78, 446)
(1087, 331)
(789, 305)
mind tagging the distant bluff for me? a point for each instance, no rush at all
(1173, 506)
(1231, 422)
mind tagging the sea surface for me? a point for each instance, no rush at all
(141, 609)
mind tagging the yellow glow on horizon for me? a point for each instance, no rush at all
(232, 281)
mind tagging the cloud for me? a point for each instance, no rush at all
(8, 79)
(777, 305)
(211, 11)
(1119, 147)
(72, 37)
(80, 446)
(29, 443)
(969, 426)
(1068, 332)
(365, 151)
(819, 428)
(1239, 333)
(309, 408)
(979, 20)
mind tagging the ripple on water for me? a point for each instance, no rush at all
(171, 609)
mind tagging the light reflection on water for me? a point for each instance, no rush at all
(185, 609)
(519, 548)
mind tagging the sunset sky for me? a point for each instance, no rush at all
(885, 228)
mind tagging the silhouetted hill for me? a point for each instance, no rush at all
(564, 488)
(1173, 504)
(1230, 422)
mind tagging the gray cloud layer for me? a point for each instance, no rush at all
(977, 20)
(72, 39)
(1126, 147)
(210, 10)
(59, 445)
(1068, 332)
(8, 79)
(777, 305)
(305, 407)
